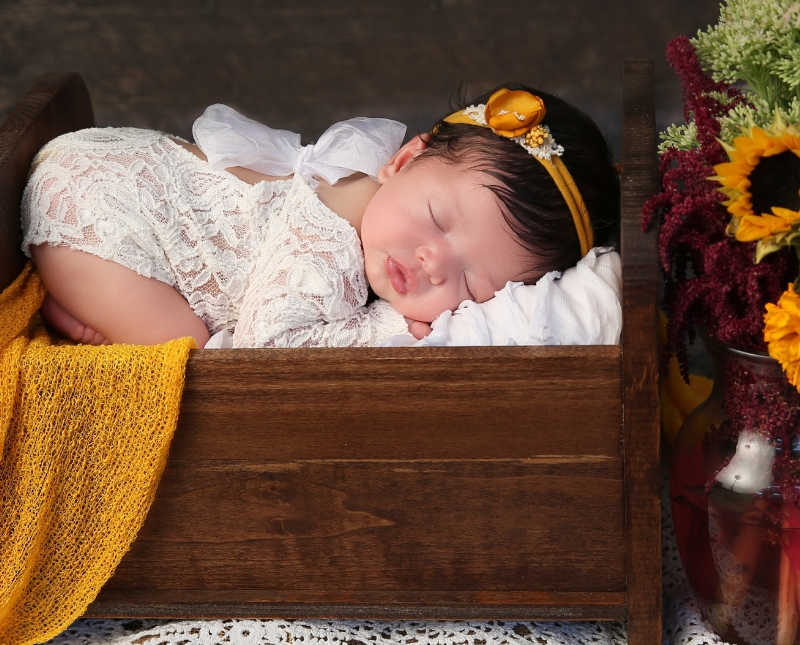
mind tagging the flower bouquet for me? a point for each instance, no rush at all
(728, 217)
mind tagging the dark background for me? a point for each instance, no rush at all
(302, 65)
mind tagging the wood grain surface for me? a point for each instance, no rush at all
(449, 477)
(641, 412)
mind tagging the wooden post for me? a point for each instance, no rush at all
(640, 404)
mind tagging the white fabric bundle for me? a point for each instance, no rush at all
(579, 307)
(361, 144)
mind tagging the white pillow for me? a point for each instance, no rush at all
(580, 307)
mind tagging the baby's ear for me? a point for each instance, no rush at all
(406, 153)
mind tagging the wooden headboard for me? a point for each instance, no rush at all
(446, 483)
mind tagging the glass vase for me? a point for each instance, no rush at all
(735, 489)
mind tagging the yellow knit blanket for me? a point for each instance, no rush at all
(84, 436)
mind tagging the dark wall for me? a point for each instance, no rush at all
(302, 65)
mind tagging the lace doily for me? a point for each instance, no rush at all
(278, 632)
(682, 620)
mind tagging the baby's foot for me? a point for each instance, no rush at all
(70, 326)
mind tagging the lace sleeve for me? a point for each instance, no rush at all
(308, 286)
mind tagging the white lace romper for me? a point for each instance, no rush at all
(267, 261)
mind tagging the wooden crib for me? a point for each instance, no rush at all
(415, 483)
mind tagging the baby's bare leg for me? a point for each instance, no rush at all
(117, 303)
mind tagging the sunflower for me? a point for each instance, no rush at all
(762, 180)
(782, 333)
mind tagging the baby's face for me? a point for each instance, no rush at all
(434, 235)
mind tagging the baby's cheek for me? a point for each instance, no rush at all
(431, 309)
(372, 273)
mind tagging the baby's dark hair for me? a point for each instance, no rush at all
(534, 208)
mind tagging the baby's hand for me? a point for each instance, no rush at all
(417, 328)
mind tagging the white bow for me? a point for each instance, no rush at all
(362, 144)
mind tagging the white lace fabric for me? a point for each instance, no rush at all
(267, 261)
(308, 286)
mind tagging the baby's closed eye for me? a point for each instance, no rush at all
(433, 217)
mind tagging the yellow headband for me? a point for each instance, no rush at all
(516, 115)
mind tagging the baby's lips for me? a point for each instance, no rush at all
(399, 276)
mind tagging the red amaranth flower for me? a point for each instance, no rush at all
(710, 279)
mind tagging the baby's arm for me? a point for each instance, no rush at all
(288, 317)
(306, 290)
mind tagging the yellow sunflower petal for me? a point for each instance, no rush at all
(731, 169)
(782, 333)
(792, 307)
(787, 214)
(740, 207)
(775, 146)
(773, 223)
(754, 227)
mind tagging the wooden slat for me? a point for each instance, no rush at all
(153, 603)
(400, 402)
(641, 417)
(374, 477)
(390, 533)
(382, 525)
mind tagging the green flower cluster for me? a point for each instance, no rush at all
(758, 42)
(742, 118)
(682, 136)
(755, 43)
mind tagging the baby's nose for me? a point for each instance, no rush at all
(433, 264)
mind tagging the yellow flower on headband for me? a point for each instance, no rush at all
(511, 113)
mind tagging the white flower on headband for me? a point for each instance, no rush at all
(477, 113)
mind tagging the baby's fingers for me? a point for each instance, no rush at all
(418, 329)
